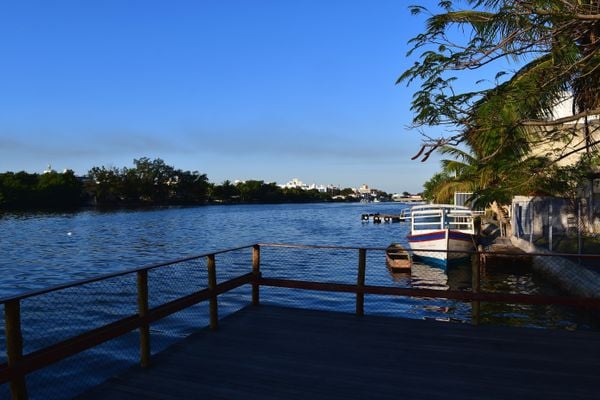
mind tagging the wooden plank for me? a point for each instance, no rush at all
(272, 353)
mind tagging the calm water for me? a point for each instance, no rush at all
(39, 250)
(43, 249)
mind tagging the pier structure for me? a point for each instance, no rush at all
(378, 218)
(502, 252)
(272, 352)
(267, 351)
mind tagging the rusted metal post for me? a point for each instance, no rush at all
(142, 300)
(360, 282)
(476, 284)
(212, 284)
(14, 347)
(255, 275)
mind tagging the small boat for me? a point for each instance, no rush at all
(397, 258)
(441, 233)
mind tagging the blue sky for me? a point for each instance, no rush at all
(254, 89)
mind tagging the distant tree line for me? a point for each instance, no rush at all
(254, 191)
(147, 183)
(36, 191)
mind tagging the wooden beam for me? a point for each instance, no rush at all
(142, 291)
(14, 348)
(255, 275)
(212, 284)
(360, 282)
(443, 294)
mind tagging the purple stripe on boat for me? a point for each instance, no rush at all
(427, 236)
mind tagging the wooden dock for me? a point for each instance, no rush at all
(267, 352)
(378, 218)
(503, 252)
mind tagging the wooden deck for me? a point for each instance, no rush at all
(268, 352)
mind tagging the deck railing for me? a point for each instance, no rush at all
(145, 293)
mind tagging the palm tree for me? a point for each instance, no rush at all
(501, 126)
(556, 39)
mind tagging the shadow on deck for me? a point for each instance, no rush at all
(268, 352)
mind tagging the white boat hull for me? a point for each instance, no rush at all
(441, 246)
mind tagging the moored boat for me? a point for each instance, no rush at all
(397, 258)
(441, 232)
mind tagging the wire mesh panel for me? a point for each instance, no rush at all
(59, 315)
(232, 264)
(426, 271)
(74, 375)
(321, 265)
(330, 278)
(539, 274)
(177, 280)
(177, 326)
(332, 265)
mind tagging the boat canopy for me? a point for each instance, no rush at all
(436, 217)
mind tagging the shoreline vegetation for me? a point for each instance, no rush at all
(149, 183)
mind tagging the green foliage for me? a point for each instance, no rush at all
(149, 182)
(22, 190)
(554, 47)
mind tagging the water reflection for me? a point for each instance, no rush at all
(426, 276)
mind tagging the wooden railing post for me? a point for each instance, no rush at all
(212, 284)
(14, 347)
(142, 299)
(360, 282)
(476, 284)
(255, 274)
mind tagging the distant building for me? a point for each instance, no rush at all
(411, 198)
(568, 153)
(298, 184)
(364, 189)
(295, 183)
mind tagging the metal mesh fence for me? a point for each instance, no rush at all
(324, 265)
(558, 225)
(71, 376)
(442, 271)
(55, 316)
(330, 265)
(170, 330)
(58, 315)
(174, 281)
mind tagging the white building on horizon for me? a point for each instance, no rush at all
(296, 183)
